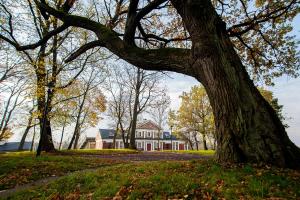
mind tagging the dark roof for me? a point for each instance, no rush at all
(167, 136)
(13, 146)
(107, 133)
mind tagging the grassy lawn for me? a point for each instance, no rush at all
(17, 168)
(199, 152)
(171, 180)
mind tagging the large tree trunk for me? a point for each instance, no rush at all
(248, 129)
(44, 106)
(46, 142)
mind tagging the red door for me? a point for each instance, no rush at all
(148, 147)
(181, 146)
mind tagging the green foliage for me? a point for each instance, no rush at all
(268, 95)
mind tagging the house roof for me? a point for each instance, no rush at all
(168, 136)
(107, 133)
(147, 125)
(12, 146)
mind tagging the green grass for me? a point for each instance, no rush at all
(172, 180)
(198, 152)
(17, 168)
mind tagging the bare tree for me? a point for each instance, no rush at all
(90, 104)
(14, 100)
(159, 113)
(119, 105)
(28, 127)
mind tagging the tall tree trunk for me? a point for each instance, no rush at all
(79, 130)
(46, 142)
(135, 110)
(43, 105)
(77, 137)
(115, 136)
(33, 137)
(62, 134)
(204, 142)
(28, 127)
(248, 129)
(191, 144)
(196, 141)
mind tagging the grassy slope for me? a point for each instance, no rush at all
(163, 180)
(18, 168)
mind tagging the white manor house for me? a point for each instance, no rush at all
(147, 139)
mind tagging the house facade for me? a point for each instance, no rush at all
(148, 138)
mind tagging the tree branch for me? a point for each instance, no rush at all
(83, 49)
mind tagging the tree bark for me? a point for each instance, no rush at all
(204, 142)
(248, 129)
(43, 105)
(33, 137)
(115, 136)
(191, 144)
(196, 141)
(28, 127)
(46, 141)
(135, 110)
(62, 134)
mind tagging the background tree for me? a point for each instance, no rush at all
(13, 101)
(195, 117)
(89, 105)
(46, 64)
(159, 113)
(29, 125)
(133, 91)
(118, 106)
(268, 95)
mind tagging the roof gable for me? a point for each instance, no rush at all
(147, 125)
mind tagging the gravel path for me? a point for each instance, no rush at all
(151, 156)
